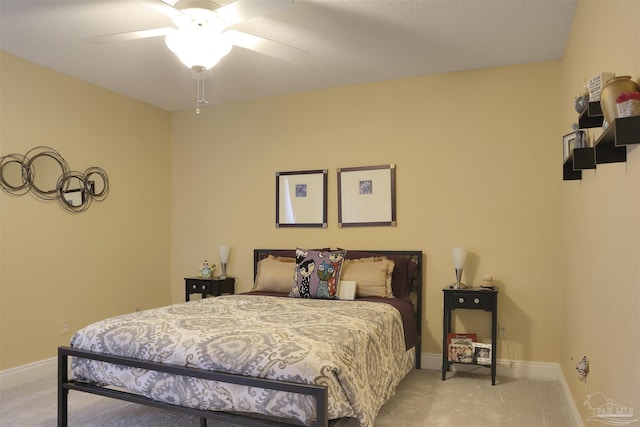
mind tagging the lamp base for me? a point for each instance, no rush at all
(458, 286)
(224, 270)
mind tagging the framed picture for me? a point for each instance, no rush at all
(568, 144)
(301, 199)
(367, 196)
(482, 353)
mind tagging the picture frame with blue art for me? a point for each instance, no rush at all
(301, 198)
(367, 196)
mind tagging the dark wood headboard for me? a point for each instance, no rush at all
(416, 281)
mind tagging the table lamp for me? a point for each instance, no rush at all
(224, 258)
(459, 257)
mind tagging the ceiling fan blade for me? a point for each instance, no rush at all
(131, 35)
(241, 10)
(267, 47)
(167, 7)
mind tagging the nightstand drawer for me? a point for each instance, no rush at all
(223, 286)
(204, 286)
(197, 286)
(477, 300)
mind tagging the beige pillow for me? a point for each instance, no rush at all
(372, 276)
(275, 274)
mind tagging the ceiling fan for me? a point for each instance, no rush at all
(203, 35)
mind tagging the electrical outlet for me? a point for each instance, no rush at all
(503, 331)
(64, 327)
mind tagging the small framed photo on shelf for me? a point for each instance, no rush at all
(482, 353)
(568, 144)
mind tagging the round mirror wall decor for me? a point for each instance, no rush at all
(13, 174)
(45, 173)
(44, 166)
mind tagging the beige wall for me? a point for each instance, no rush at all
(477, 165)
(83, 267)
(601, 221)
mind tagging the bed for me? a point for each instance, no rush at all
(298, 361)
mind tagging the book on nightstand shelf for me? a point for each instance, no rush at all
(461, 347)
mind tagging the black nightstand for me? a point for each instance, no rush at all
(204, 286)
(469, 299)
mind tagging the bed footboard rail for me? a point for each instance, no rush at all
(319, 393)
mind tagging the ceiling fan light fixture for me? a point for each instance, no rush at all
(198, 13)
(198, 47)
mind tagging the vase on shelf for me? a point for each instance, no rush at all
(614, 87)
(581, 103)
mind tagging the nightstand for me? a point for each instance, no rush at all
(469, 299)
(204, 286)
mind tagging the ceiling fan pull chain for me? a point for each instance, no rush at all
(200, 95)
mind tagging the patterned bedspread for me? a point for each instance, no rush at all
(354, 348)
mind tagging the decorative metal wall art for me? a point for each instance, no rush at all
(46, 174)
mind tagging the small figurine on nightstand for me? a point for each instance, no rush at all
(207, 270)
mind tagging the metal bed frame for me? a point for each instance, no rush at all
(64, 385)
(319, 393)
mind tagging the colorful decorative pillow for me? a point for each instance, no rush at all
(275, 274)
(372, 276)
(317, 273)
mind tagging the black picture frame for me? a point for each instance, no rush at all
(301, 198)
(367, 196)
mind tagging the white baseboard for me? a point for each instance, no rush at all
(574, 409)
(513, 369)
(505, 368)
(27, 373)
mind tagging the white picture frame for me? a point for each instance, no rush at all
(482, 353)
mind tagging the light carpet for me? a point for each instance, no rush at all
(422, 399)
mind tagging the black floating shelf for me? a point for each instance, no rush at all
(624, 131)
(584, 158)
(611, 146)
(568, 172)
(591, 117)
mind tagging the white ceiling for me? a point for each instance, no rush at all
(349, 42)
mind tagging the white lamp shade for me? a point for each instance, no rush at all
(224, 251)
(198, 46)
(459, 256)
